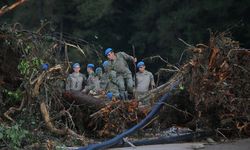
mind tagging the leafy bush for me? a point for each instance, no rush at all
(12, 136)
(29, 67)
(14, 96)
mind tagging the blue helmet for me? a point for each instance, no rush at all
(76, 65)
(109, 95)
(91, 66)
(105, 64)
(45, 67)
(98, 70)
(140, 64)
(107, 51)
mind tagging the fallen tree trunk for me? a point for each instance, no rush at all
(85, 100)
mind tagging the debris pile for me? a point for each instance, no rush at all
(117, 116)
(216, 79)
(220, 85)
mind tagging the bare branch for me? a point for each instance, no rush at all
(189, 45)
(13, 109)
(11, 7)
(75, 46)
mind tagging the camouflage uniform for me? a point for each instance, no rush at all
(74, 81)
(124, 75)
(108, 83)
(93, 83)
(144, 82)
(104, 80)
(112, 85)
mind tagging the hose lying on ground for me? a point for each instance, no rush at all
(156, 108)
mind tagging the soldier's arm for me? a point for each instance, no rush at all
(112, 77)
(128, 57)
(152, 81)
(93, 83)
(89, 86)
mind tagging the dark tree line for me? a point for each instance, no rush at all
(153, 26)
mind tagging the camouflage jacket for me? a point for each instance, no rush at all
(108, 82)
(120, 65)
(92, 83)
(144, 81)
(74, 81)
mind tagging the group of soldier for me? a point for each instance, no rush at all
(114, 80)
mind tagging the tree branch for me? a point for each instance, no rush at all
(3, 10)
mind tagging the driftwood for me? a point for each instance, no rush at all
(53, 129)
(48, 122)
(12, 110)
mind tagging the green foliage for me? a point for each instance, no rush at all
(14, 96)
(13, 136)
(36, 62)
(92, 11)
(23, 67)
(27, 67)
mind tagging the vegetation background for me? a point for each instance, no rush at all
(153, 26)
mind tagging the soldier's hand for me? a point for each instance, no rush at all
(135, 59)
(84, 91)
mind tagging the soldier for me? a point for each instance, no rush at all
(98, 72)
(104, 78)
(144, 80)
(108, 81)
(118, 63)
(76, 79)
(92, 82)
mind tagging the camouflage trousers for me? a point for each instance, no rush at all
(124, 81)
(125, 85)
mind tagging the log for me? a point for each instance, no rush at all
(84, 100)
